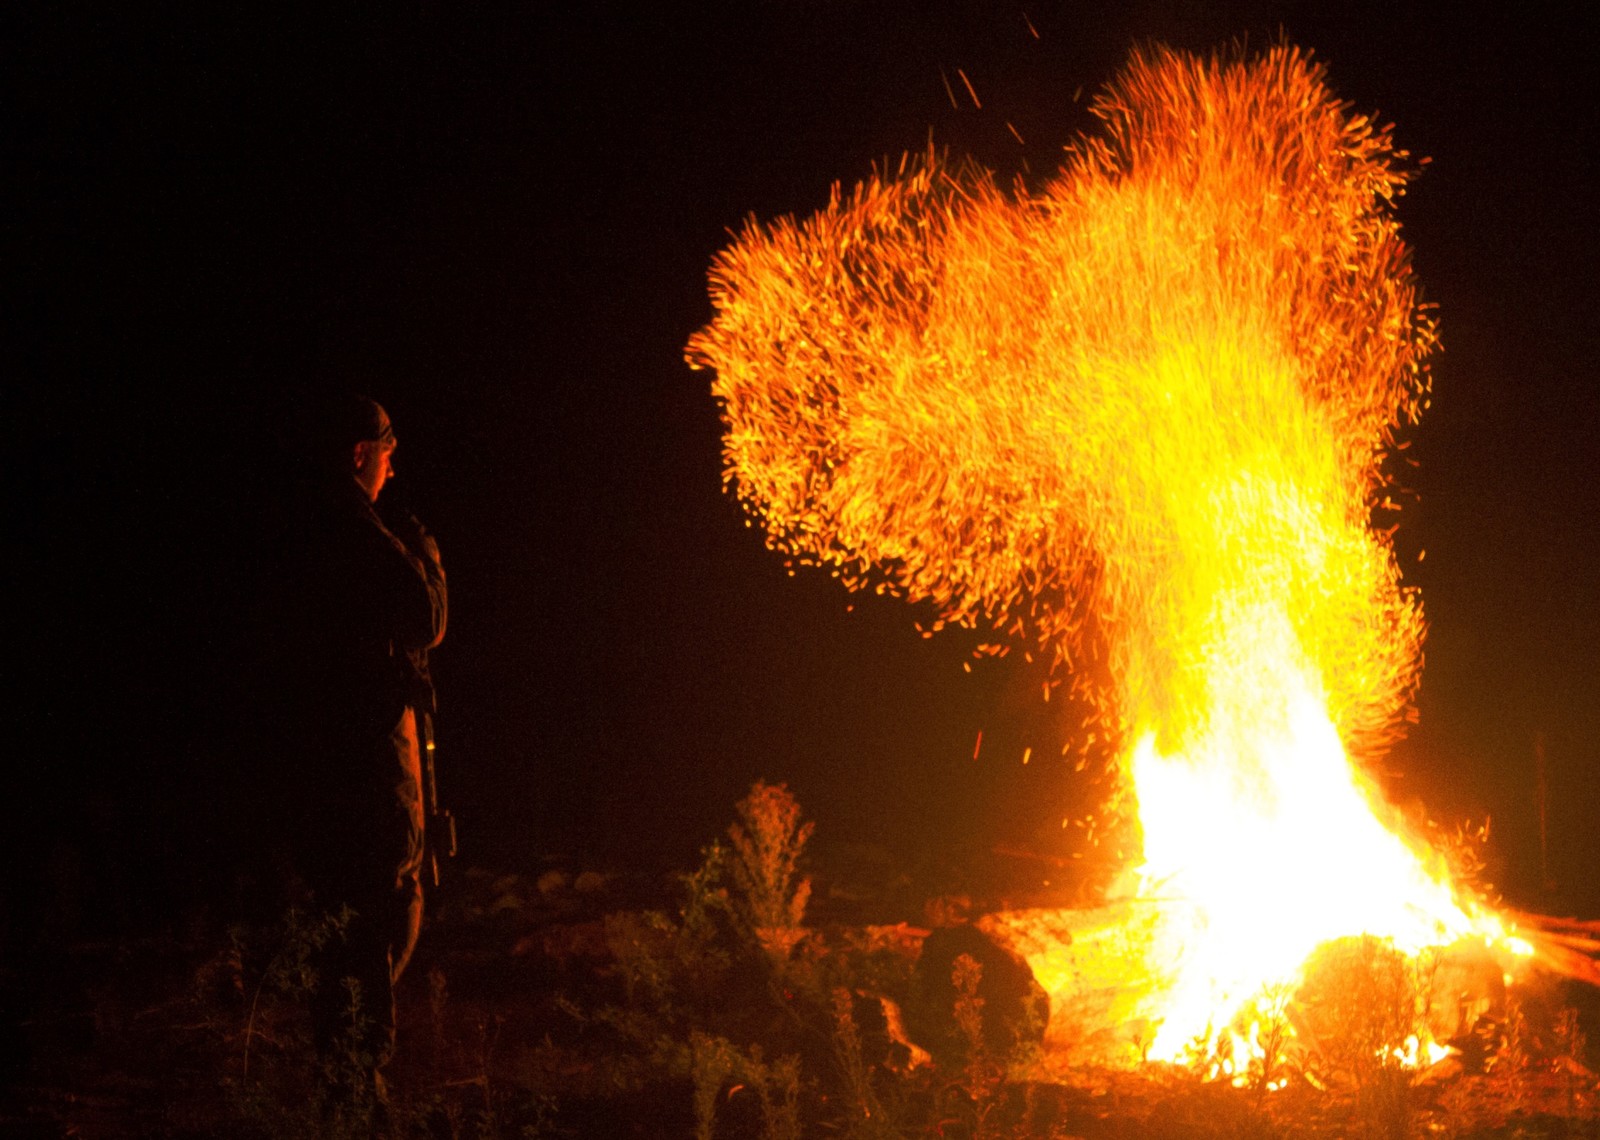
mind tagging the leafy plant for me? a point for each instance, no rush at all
(769, 896)
(981, 1074)
(290, 970)
(1362, 1008)
(866, 1115)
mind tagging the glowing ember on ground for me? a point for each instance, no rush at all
(1142, 415)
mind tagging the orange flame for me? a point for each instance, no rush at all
(1143, 413)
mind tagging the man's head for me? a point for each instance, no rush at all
(366, 438)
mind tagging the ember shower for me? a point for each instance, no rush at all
(1141, 415)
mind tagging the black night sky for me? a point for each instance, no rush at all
(497, 220)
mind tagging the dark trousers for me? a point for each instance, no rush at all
(363, 857)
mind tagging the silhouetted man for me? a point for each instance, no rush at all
(371, 601)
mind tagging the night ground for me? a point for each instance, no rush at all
(499, 223)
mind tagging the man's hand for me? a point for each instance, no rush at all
(409, 530)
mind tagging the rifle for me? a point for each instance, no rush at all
(438, 824)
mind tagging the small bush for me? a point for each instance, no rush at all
(769, 895)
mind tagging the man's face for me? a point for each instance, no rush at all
(373, 465)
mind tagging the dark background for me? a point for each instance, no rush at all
(497, 220)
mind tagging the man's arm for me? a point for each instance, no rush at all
(420, 601)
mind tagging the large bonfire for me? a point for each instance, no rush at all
(1141, 415)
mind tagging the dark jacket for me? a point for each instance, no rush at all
(369, 603)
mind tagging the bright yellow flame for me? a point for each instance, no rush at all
(1262, 855)
(1141, 413)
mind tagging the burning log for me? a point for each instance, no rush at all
(1099, 1015)
(1566, 946)
(1014, 1007)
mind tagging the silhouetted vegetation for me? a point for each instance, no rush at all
(563, 1004)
